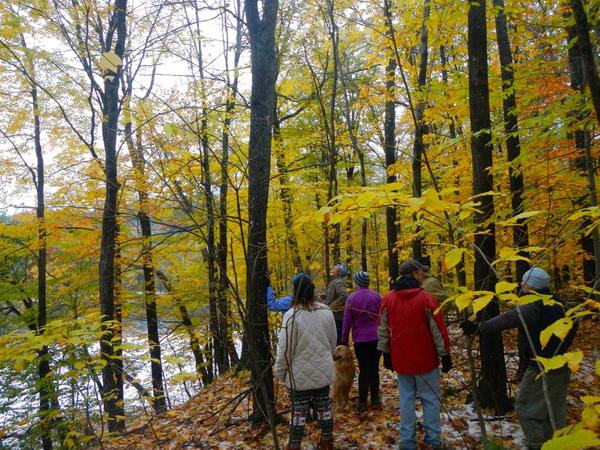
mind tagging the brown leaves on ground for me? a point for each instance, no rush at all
(217, 417)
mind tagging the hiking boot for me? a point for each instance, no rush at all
(376, 403)
(427, 446)
(361, 407)
(326, 444)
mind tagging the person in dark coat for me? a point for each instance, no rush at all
(531, 406)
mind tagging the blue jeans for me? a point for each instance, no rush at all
(428, 387)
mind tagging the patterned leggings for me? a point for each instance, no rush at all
(301, 401)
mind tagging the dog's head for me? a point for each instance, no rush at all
(342, 352)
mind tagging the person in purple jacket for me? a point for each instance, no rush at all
(360, 316)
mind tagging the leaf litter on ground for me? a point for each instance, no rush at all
(217, 418)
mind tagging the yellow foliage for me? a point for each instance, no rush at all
(572, 359)
(560, 329)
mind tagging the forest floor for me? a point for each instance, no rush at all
(217, 417)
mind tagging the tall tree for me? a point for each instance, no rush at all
(420, 128)
(138, 160)
(511, 128)
(261, 27)
(112, 372)
(582, 68)
(231, 92)
(389, 131)
(587, 53)
(492, 388)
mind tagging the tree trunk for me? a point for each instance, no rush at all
(511, 128)
(591, 242)
(513, 150)
(112, 378)
(285, 194)
(46, 388)
(461, 275)
(223, 303)
(587, 53)
(420, 129)
(218, 338)
(186, 321)
(492, 388)
(138, 161)
(262, 103)
(332, 156)
(389, 131)
(363, 175)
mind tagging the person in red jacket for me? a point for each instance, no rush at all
(405, 338)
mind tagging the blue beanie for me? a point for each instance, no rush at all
(361, 278)
(303, 286)
(536, 278)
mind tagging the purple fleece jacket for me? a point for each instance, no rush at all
(360, 315)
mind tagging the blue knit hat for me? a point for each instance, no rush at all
(303, 286)
(361, 278)
(536, 278)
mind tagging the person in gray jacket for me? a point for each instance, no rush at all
(336, 295)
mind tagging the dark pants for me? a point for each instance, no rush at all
(368, 370)
(301, 401)
(532, 410)
(338, 326)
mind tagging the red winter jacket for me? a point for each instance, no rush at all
(412, 348)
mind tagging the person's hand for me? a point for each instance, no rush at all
(446, 363)
(387, 361)
(469, 327)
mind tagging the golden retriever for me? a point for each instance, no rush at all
(343, 363)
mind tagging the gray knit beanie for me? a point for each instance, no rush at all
(536, 278)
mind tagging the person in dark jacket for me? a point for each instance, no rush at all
(360, 316)
(531, 407)
(404, 330)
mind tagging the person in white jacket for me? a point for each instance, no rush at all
(304, 361)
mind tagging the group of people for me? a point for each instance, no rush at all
(413, 339)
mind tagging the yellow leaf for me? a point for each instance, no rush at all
(591, 418)
(560, 329)
(572, 441)
(516, 220)
(505, 286)
(598, 367)
(531, 298)
(510, 254)
(572, 359)
(453, 257)
(463, 300)
(481, 302)
(590, 399)
(431, 200)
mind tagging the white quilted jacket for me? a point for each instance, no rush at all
(306, 344)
